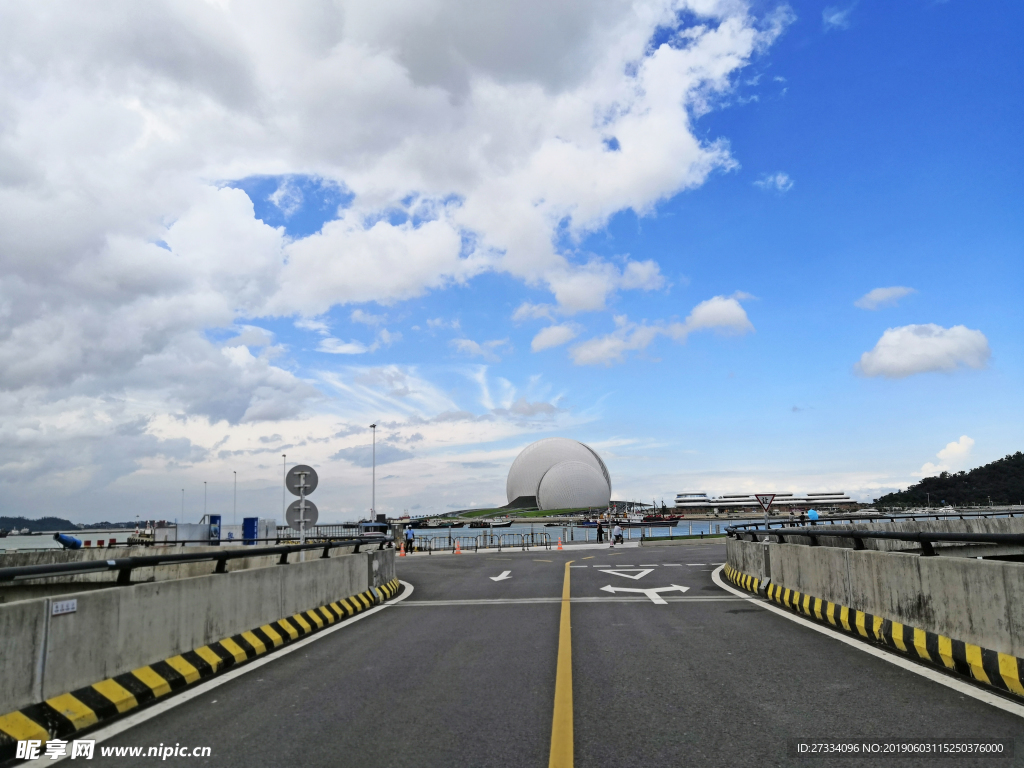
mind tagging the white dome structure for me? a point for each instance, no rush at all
(559, 473)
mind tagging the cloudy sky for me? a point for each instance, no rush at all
(732, 246)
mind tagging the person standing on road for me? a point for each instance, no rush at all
(616, 534)
(410, 540)
(600, 532)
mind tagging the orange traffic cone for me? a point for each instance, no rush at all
(401, 551)
(458, 549)
(559, 542)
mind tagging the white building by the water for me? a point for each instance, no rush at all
(784, 502)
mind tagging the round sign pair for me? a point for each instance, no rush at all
(301, 479)
(293, 514)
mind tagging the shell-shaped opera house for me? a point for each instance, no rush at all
(558, 473)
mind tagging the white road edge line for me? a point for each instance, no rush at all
(158, 709)
(950, 682)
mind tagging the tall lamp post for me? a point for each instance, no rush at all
(284, 485)
(234, 500)
(204, 498)
(373, 480)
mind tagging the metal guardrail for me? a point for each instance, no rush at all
(880, 517)
(125, 565)
(524, 541)
(924, 538)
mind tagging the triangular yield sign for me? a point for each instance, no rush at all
(642, 572)
(765, 500)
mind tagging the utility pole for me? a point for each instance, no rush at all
(373, 480)
(284, 485)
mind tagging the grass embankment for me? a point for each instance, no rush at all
(500, 512)
(481, 513)
(550, 512)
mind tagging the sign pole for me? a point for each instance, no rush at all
(765, 500)
(302, 514)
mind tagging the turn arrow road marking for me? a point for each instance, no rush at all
(643, 572)
(651, 593)
(504, 575)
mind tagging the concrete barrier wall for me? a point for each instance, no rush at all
(59, 585)
(23, 639)
(119, 629)
(946, 525)
(382, 567)
(962, 598)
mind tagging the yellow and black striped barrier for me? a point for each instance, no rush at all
(998, 670)
(61, 716)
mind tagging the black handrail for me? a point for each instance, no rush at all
(924, 538)
(874, 518)
(125, 565)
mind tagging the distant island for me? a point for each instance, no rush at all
(55, 524)
(1002, 481)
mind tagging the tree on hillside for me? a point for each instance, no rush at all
(1002, 481)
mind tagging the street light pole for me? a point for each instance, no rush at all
(284, 485)
(234, 501)
(204, 498)
(183, 505)
(373, 481)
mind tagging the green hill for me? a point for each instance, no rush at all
(1002, 481)
(42, 524)
(54, 524)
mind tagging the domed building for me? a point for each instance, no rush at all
(558, 473)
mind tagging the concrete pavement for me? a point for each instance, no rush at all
(462, 673)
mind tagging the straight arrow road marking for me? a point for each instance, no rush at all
(504, 575)
(651, 593)
(643, 572)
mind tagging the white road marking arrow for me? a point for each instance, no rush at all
(504, 575)
(651, 593)
(643, 572)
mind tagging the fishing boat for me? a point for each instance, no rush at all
(435, 524)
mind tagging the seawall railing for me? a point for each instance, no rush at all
(125, 565)
(523, 541)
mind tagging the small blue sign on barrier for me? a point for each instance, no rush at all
(215, 529)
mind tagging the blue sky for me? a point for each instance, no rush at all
(399, 268)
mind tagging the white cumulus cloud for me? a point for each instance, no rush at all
(883, 297)
(912, 349)
(952, 458)
(834, 17)
(335, 346)
(554, 336)
(723, 314)
(612, 348)
(488, 350)
(779, 182)
(467, 137)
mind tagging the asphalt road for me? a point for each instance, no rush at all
(462, 673)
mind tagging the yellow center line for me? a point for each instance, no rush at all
(561, 720)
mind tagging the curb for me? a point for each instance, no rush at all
(991, 669)
(64, 715)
